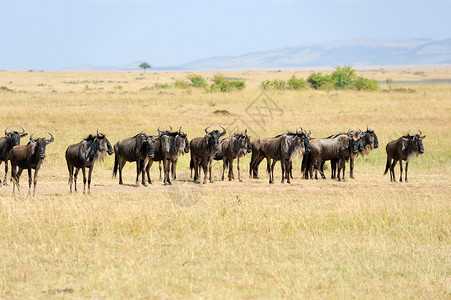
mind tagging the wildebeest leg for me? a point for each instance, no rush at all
(75, 178)
(149, 164)
(16, 176)
(283, 166)
(6, 172)
(204, 165)
(159, 167)
(121, 165)
(83, 171)
(393, 165)
(333, 168)
(71, 176)
(138, 170)
(288, 166)
(29, 180)
(344, 168)
(167, 165)
(35, 179)
(407, 166)
(197, 167)
(317, 167)
(238, 169)
(268, 168)
(321, 170)
(231, 176)
(400, 170)
(340, 167)
(210, 163)
(174, 168)
(224, 166)
(89, 179)
(143, 172)
(272, 170)
(351, 168)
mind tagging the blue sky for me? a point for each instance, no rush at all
(54, 34)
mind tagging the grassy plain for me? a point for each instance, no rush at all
(365, 238)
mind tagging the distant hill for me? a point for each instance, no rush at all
(356, 52)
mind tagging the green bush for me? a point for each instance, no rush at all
(181, 84)
(223, 84)
(343, 77)
(197, 80)
(296, 83)
(162, 86)
(362, 83)
(318, 81)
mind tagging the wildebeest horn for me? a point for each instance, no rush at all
(245, 130)
(223, 130)
(180, 129)
(206, 130)
(158, 129)
(420, 131)
(31, 138)
(51, 138)
(6, 130)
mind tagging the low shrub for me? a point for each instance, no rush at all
(197, 80)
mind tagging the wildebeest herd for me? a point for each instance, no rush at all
(168, 145)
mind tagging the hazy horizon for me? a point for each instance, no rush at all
(51, 34)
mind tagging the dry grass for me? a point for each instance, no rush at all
(366, 238)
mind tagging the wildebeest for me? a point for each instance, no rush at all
(138, 148)
(401, 149)
(257, 156)
(282, 148)
(203, 149)
(369, 142)
(232, 147)
(11, 139)
(28, 157)
(168, 146)
(83, 155)
(338, 148)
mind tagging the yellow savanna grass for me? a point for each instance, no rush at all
(365, 238)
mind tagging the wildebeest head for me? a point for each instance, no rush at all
(104, 143)
(14, 136)
(162, 132)
(306, 138)
(149, 145)
(371, 138)
(184, 144)
(40, 144)
(213, 137)
(354, 141)
(417, 142)
(243, 141)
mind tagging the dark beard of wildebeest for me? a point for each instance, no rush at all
(232, 147)
(28, 157)
(368, 142)
(11, 139)
(168, 146)
(257, 156)
(338, 148)
(401, 149)
(138, 148)
(83, 155)
(282, 148)
(203, 150)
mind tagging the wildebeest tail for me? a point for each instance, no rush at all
(191, 166)
(387, 166)
(116, 165)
